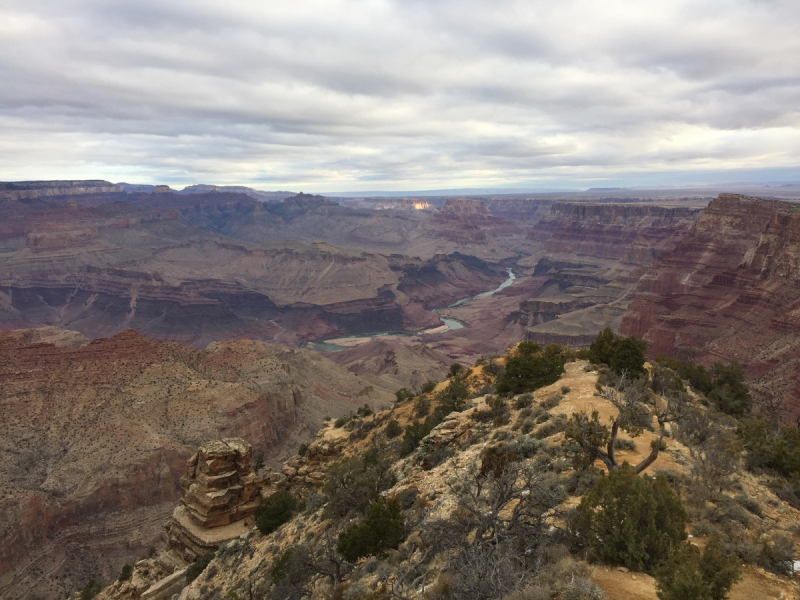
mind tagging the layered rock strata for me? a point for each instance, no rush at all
(591, 256)
(27, 190)
(220, 491)
(174, 267)
(730, 291)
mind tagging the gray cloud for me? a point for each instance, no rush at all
(347, 94)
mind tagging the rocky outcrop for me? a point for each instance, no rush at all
(731, 290)
(219, 492)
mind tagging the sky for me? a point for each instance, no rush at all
(356, 95)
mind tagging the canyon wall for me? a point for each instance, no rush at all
(730, 290)
(95, 436)
(590, 256)
(180, 268)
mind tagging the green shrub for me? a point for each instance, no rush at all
(429, 386)
(404, 394)
(777, 554)
(550, 427)
(422, 407)
(353, 484)
(198, 566)
(381, 529)
(730, 394)
(455, 370)
(341, 421)
(452, 398)
(91, 589)
(364, 411)
(289, 571)
(631, 521)
(770, 448)
(523, 401)
(496, 411)
(302, 449)
(624, 444)
(551, 401)
(621, 354)
(125, 573)
(276, 510)
(414, 434)
(393, 429)
(602, 348)
(688, 575)
(529, 372)
(629, 356)
(528, 348)
(697, 376)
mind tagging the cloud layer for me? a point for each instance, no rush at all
(406, 94)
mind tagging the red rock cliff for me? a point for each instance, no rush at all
(730, 290)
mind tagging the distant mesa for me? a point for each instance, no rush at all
(29, 190)
(203, 188)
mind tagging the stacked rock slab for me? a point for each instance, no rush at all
(220, 493)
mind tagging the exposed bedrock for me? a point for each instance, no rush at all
(95, 437)
(731, 290)
(631, 233)
(591, 256)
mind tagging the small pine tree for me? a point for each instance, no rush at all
(629, 356)
(688, 575)
(393, 429)
(730, 394)
(429, 386)
(276, 510)
(621, 354)
(404, 394)
(529, 372)
(631, 521)
(381, 529)
(602, 348)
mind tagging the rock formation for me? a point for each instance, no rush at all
(730, 290)
(219, 492)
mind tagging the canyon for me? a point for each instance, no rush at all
(95, 436)
(141, 322)
(185, 267)
(730, 291)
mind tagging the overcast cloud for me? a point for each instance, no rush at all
(408, 94)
